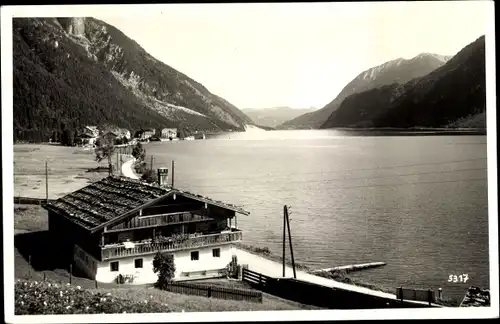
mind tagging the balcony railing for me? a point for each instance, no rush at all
(118, 251)
(161, 219)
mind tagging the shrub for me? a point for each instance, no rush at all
(164, 266)
(149, 176)
(43, 298)
(139, 152)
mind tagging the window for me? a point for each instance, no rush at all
(113, 266)
(216, 253)
(195, 255)
(138, 263)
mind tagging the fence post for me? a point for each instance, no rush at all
(400, 290)
(29, 267)
(44, 276)
(209, 292)
(260, 280)
(429, 296)
(95, 283)
(440, 293)
(70, 272)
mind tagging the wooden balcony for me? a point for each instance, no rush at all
(160, 220)
(119, 250)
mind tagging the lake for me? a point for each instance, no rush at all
(418, 203)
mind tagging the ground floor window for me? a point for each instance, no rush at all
(138, 263)
(114, 266)
(216, 253)
(195, 255)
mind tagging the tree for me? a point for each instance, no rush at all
(139, 152)
(118, 141)
(149, 176)
(67, 138)
(104, 150)
(164, 266)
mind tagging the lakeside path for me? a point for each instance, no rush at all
(128, 167)
(274, 269)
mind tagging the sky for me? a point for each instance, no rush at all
(297, 54)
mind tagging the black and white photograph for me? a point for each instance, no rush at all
(249, 162)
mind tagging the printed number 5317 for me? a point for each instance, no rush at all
(460, 278)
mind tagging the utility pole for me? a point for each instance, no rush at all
(46, 183)
(173, 165)
(290, 241)
(152, 162)
(284, 238)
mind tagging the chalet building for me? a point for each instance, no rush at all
(125, 133)
(145, 133)
(170, 133)
(117, 225)
(86, 139)
(92, 130)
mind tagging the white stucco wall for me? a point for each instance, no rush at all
(126, 266)
(182, 259)
(206, 261)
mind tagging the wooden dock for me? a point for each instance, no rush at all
(352, 267)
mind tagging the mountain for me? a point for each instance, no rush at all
(70, 72)
(272, 117)
(453, 95)
(396, 71)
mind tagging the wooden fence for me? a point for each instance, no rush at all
(318, 295)
(416, 294)
(214, 291)
(256, 279)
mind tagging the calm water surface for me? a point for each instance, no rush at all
(418, 203)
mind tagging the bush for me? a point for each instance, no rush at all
(149, 176)
(139, 152)
(43, 298)
(164, 266)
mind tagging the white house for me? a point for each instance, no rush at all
(93, 130)
(169, 133)
(117, 225)
(124, 133)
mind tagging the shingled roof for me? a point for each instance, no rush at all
(103, 201)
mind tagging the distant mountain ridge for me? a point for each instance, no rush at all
(395, 71)
(274, 116)
(92, 73)
(453, 95)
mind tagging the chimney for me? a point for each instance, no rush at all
(163, 177)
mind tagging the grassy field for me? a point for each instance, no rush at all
(30, 222)
(67, 169)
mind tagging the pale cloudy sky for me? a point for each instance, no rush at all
(297, 54)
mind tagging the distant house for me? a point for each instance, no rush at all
(169, 133)
(124, 133)
(87, 135)
(145, 133)
(85, 139)
(91, 130)
(120, 232)
(111, 135)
